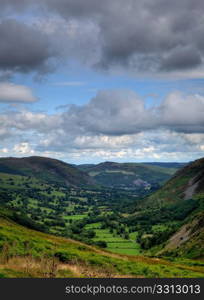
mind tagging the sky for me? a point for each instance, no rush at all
(91, 81)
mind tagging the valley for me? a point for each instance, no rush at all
(30, 253)
(153, 221)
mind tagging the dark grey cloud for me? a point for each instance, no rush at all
(182, 58)
(143, 35)
(146, 36)
(23, 48)
(79, 8)
(7, 5)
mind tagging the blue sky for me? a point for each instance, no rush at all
(120, 81)
(79, 85)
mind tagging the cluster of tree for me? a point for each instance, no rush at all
(23, 219)
(168, 213)
(148, 239)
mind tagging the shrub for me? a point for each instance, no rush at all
(101, 244)
(64, 256)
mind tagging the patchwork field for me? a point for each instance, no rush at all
(111, 222)
(28, 253)
(115, 243)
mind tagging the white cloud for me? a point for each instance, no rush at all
(23, 148)
(13, 93)
(183, 113)
(112, 125)
(4, 150)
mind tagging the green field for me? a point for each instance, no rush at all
(28, 253)
(115, 243)
(116, 221)
(75, 217)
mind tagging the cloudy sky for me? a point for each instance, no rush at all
(87, 80)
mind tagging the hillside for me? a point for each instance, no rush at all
(140, 177)
(124, 225)
(170, 165)
(171, 219)
(29, 253)
(188, 241)
(82, 213)
(46, 169)
(185, 184)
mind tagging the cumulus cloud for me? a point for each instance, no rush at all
(27, 120)
(182, 113)
(112, 113)
(148, 37)
(113, 120)
(181, 58)
(23, 48)
(142, 35)
(13, 93)
(123, 112)
(23, 148)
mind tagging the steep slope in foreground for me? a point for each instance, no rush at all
(47, 169)
(28, 253)
(185, 184)
(180, 203)
(188, 241)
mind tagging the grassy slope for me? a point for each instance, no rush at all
(44, 213)
(47, 169)
(174, 190)
(82, 260)
(27, 247)
(188, 241)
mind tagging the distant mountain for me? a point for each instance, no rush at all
(46, 169)
(175, 165)
(132, 176)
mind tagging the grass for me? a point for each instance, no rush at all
(93, 226)
(25, 249)
(75, 217)
(159, 228)
(121, 257)
(115, 243)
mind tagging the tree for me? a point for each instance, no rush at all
(101, 244)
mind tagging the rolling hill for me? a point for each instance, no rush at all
(137, 236)
(46, 169)
(140, 177)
